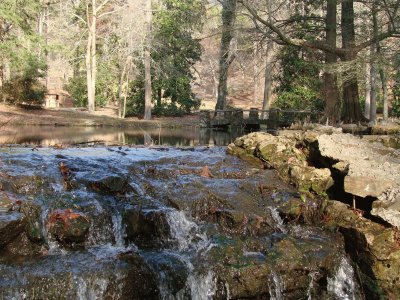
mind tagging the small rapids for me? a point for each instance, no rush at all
(140, 223)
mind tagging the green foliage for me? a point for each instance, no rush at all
(24, 87)
(174, 53)
(396, 95)
(299, 84)
(77, 88)
(17, 20)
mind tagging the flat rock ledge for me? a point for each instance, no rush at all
(308, 159)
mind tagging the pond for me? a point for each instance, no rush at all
(176, 137)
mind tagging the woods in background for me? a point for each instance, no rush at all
(148, 57)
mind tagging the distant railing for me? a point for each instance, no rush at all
(273, 118)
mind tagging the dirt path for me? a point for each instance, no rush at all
(14, 116)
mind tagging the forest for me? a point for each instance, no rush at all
(152, 57)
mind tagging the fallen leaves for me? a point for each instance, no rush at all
(205, 172)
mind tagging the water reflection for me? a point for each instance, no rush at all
(178, 137)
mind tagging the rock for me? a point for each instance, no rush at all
(6, 204)
(11, 225)
(110, 184)
(342, 167)
(68, 226)
(311, 179)
(387, 207)
(373, 247)
(280, 267)
(372, 168)
(147, 228)
(34, 224)
(364, 186)
(283, 154)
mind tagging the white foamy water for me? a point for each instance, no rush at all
(277, 218)
(186, 232)
(311, 284)
(343, 284)
(202, 286)
(275, 286)
(118, 230)
(91, 289)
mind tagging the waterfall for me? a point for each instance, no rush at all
(201, 285)
(311, 284)
(343, 285)
(275, 286)
(118, 230)
(277, 218)
(91, 289)
(185, 232)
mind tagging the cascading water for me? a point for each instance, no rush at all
(275, 286)
(133, 199)
(118, 230)
(278, 220)
(191, 242)
(343, 285)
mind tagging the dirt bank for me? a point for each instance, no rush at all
(14, 116)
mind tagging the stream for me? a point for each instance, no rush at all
(157, 223)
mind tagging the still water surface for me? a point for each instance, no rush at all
(178, 137)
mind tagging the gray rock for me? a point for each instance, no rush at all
(388, 206)
(11, 225)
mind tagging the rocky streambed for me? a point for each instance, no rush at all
(167, 223)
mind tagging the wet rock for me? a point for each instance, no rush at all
(109, 184)
(6, 204)
(374, 248)
(68, 226)
(147, 228)
(23, 246)
(23, 184)
(281, 268)
(171, 271)
(33, 224)
(82, 275)
(11, 225)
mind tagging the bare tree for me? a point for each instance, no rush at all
(147, 63)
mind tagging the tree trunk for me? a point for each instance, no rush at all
(351, 104)
(91, 56)
(367, 107)
(226, 56)
(372, 114)
(147, 64)
(255, 75)
(385, 94)
(331, 91)
(268, 78)
(374, 52)
(159, 97)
